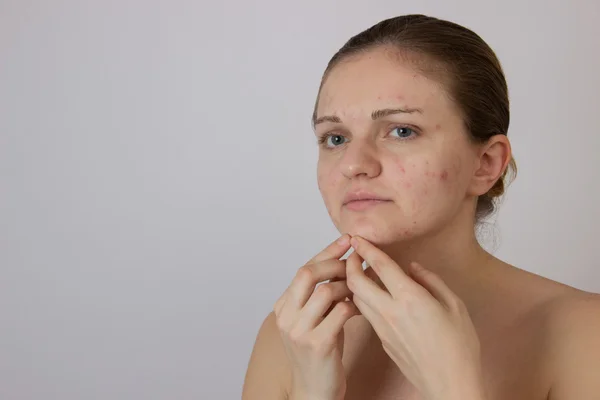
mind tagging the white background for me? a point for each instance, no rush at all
(158, 185)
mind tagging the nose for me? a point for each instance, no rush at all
(360, 159)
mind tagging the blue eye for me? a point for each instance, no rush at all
(335, 141)
(404, 132)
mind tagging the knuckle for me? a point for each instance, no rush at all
(305, 273)
(344, 308)
(279, 322)
(324, 291)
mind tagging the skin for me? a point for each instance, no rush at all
(499, 331)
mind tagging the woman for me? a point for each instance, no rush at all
(412, 118)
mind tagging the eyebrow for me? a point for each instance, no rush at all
(377, 114)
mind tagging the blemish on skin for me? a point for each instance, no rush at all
(444, 175)
(437, 127)
(400, 166)
(408, 185)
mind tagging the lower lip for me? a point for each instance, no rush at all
(360, 205)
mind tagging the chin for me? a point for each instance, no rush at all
(379, 234)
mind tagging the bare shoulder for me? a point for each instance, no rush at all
(267, 376)
(573, 323)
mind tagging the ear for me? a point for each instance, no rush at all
(493, 159)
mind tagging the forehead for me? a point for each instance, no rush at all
(377, 79)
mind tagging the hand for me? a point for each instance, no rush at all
(311, 324)
(423, 326)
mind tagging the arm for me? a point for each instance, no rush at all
(267, 374)
(576, 350)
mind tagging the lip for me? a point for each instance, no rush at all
(363, 196)
(361, 205)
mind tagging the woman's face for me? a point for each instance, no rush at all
(388, 130)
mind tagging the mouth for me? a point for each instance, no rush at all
(364, 204)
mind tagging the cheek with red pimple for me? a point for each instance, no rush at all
(416, 182)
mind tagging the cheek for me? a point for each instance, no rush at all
(417, 184)
(328, 182)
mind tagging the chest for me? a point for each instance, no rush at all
(511, 360)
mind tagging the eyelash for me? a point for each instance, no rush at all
(323, 138)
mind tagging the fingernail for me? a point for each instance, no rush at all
(354, 242)
(343, 240)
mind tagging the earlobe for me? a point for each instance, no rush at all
(494, 157)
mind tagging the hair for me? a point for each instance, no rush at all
(462, 62)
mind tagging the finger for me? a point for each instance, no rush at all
(375, 278)
(334, 250)
(362, 286)
(434, 285)
(308, 276)
(392, 276)
(334, 322)
(370, 315)
(322, 298)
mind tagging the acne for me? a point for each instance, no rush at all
(400, 165)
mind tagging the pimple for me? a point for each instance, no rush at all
(408, 185)
(400, 166)
(444, 175)
(437, 127)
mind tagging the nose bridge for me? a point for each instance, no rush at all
(360, 157)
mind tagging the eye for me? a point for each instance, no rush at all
(331, 140)
(404, 132)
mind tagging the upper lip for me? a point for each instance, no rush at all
(361, 194)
